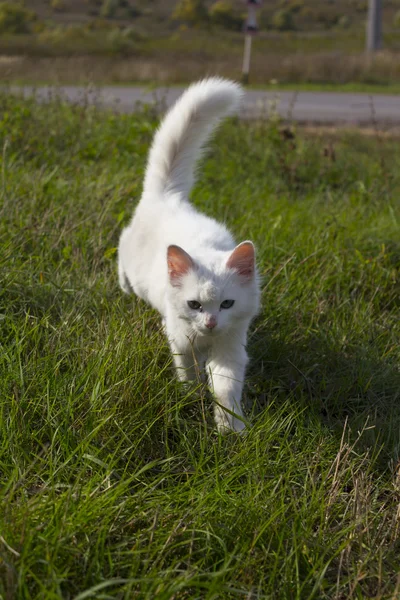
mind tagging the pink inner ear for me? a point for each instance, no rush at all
(242, 260)
(179, 263)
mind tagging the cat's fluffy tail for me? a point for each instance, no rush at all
(178, 142)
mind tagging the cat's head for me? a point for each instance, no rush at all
(213, 298)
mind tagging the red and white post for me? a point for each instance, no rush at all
(250, 29)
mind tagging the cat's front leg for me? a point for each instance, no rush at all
(226, 369)
(123, 280)
(189, 362)
(185, 362)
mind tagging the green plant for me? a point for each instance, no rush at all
(58, 5)
(120, 41)
(130, 33)
(132, 12)
(192, 12)
(109, 8)
(15, 18)
(361, 6)
(100, 24)
(223, 14)
(344, 21)
(283, 20)
(296, 6)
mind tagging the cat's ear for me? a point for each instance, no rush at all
(242, 260)
(179, 263)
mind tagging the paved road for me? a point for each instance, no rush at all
(311, 107)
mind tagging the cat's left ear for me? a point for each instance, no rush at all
(243, 260)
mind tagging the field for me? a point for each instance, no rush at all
(121, 41)
(114, 482)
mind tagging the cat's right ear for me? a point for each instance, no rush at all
(179, 263)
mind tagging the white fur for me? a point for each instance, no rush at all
(164, 217)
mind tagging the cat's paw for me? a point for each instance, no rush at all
(124, 283)
(226, 422)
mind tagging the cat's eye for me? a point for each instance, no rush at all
(227, 303)
(193, 304)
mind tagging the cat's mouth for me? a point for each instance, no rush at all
(206, 332)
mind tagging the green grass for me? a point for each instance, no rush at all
(114, 482)
(352, 88)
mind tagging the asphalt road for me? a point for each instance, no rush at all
(305, 107)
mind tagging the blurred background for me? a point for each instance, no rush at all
(304, 43)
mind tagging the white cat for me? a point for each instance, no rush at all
(186, 265)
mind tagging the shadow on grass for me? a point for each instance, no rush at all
(337, 384)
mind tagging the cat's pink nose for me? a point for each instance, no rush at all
(211, 323)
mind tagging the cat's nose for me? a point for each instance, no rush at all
(211, 323)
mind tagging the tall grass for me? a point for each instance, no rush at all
(114, 482)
